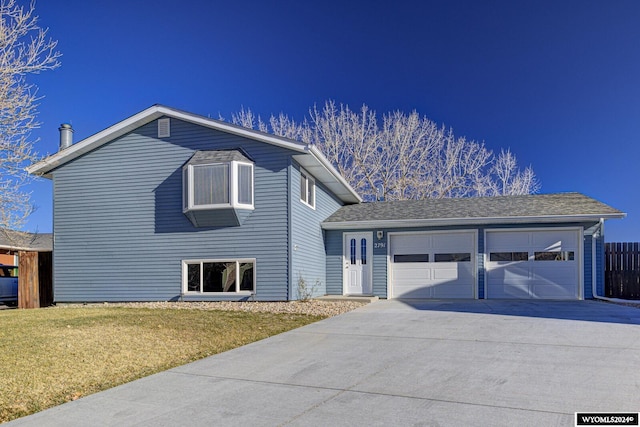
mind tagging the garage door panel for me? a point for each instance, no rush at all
(452, 290)
(553, 291)
(564, 274)
(412, 291)
(408, 274)
(513, 290)
(551, 240)
(410, 244)
(510, 274)
(534, 279)
(457, 272)
(507, 241)
(429, 279)
(452, 242)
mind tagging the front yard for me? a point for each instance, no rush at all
(51, 356)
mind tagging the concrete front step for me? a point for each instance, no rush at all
(347, 298)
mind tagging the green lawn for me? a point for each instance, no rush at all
(51, 356)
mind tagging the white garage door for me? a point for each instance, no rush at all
(533, 264)
(432, 265)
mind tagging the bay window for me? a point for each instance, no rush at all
(217, 185)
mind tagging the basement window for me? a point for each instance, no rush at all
(218, 276)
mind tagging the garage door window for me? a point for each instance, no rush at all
(554, 256)
(508, 256)
(453, 257)
(411, 258)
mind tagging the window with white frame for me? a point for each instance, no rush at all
(307, 189)
(217, 185)
(219, 276)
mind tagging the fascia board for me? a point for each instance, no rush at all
(320, 167)
(43, 167)
(410, 223)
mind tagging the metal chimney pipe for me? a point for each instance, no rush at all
(66, 135)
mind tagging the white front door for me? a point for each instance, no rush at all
(357, 263)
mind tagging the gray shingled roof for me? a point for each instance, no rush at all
(20, 240)
(477, 209)
(217, 156)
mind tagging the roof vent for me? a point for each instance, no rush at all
(66, 135)
(164, 128)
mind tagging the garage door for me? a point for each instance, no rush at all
(432, 265)
(533, 264)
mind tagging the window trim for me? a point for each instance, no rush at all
(233, 190)
(238, 261)
(308, 179)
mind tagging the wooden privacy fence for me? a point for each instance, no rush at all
(622, 270)
(35, 280)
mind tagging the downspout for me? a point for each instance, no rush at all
(598, 233)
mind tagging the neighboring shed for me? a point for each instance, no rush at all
(32, 253)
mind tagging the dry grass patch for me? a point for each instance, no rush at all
(51, 356)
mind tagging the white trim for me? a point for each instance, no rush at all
(309, 180)
(232, 189)
(474, 254)
(326, 164)
(579, 249)
(346, 258)
(186, 262)
(407, 223)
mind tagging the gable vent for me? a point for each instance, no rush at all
(164, 128)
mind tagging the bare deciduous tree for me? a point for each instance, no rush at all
(509, 179)
(408, 157)
(24, 49)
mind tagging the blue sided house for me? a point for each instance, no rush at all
(169, 205)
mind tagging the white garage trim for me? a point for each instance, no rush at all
(473, 249)
(579, 253)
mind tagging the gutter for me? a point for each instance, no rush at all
(317, 154)
(356, 225)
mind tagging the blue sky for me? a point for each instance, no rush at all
(557, 82)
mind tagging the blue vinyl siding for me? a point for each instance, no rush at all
(590, 256)
(480, 263)
(120, 234)
(333, 244)
(308, 255)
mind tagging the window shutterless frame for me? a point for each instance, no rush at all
(195, 269)
(238, 190)
(307, 189)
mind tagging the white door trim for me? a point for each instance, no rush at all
(367, 286)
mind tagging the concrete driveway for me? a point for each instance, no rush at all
(431, 363)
